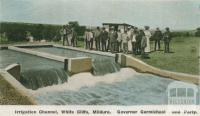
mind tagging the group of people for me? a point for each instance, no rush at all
(68, 36)
(132, 40)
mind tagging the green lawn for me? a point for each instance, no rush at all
(185, 56)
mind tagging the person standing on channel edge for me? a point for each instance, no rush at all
(87, 39)
(68, 34)
(97, 38)
(130, 36)
(133, 41)
(91, 35)
(138, 43)
(119, 41)
(143, 44)
(108, 39)
(148, 36)
(74, 38)
(113, 39)
(63, 34)
(167, 39)
(125, 39)
(104, 37)
(157, 36)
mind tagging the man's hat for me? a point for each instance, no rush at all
(146, 27)
(167, 28)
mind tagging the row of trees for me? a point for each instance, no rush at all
(18, 31)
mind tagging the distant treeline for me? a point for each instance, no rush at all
(182, 34)
(18, 31)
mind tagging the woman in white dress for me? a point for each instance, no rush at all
(147, 35)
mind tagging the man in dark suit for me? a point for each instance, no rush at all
(97, 38)
(113, 39)
(167, 39)
(104, 37)
(74, 38)
(138, 42)
(157, 36)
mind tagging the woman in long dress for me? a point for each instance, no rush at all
(147, 35)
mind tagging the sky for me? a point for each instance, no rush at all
(176, 14)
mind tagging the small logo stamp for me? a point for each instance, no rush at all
(180, 93)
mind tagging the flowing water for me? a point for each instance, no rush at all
(36, 71)
(124, 87)
(101, 64)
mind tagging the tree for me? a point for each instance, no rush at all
(73, 24)
(79, 29)
(197, 33)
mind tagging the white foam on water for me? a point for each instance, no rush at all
(80, 80)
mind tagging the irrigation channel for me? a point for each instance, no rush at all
(109, 84)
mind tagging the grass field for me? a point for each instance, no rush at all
(184, 57)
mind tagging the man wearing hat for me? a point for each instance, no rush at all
(130, 34)
(97, 38)
(108, 40)
(113, 39)
(63, 34)
(147, 35)
(167, 39)
(125, 39)
(157, 36)
(87, 39)
(104, 37)
(74, 38)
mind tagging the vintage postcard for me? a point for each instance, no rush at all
(99, 57)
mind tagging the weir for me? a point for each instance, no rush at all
(42, 77)
(35, 71)
(101, 64)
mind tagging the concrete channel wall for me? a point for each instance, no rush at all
(80, 64)
(86, 51)
(12, 73)
(36, 53)
(71, 65)
(128, 61)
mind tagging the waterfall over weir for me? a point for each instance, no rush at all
(101, 64)
(36, 72)
(104, 66)
(37, 78)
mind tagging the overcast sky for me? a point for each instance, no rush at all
(176, 14)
